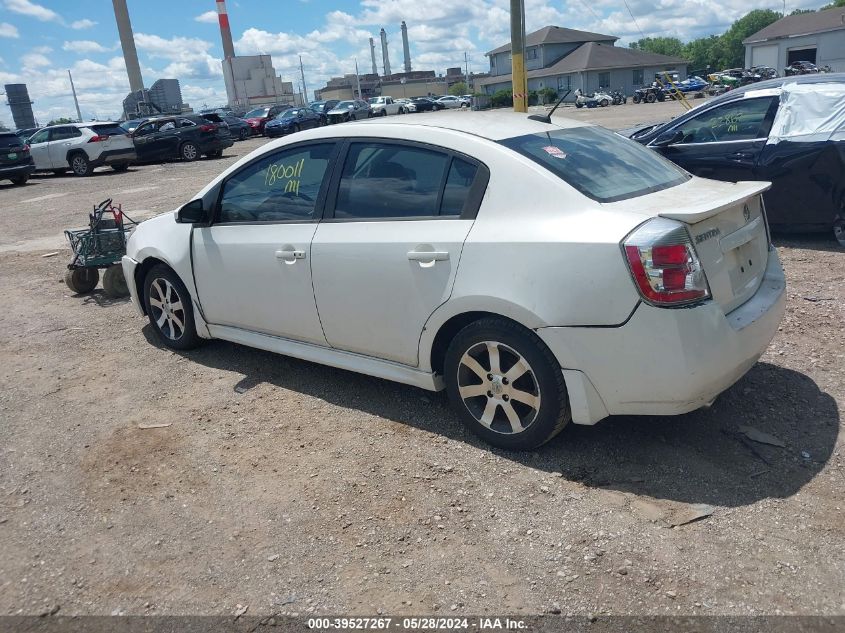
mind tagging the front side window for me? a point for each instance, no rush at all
(737, 121)
(391, 181)
(279, 187)
(599, 163)
(39, 137)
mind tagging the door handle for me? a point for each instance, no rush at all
(741, 155)
(428, 256)
(290, 255)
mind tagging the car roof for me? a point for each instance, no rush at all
(495, 126)
(779, 82)
(83, 124)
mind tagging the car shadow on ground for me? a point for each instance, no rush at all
(99, 171)
(812, 241)
(700, 457)
(99, 298)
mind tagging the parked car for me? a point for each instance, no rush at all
(323, 108)
(238, 128)
(187, 136)
(82, 147)
(450, 101)
(411, 251)
(350, 111)
(406, 106)
(801, 68)
(382, 106)
(257, 118)
(131, 125)
(15, 160)
(765, 72)
(424, 104)
(291, 121)
(762, 132)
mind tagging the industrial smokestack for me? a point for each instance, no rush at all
(127, 43)
(373, 55)
(20, 104)
(406, 49)
(225, 31)
(384, 55)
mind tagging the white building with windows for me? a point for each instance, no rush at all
(565, 59)
(817, 37)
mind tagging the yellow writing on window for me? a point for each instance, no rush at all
(281, 171)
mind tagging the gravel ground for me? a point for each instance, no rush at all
(288, 487)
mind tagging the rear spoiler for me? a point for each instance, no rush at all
(699, 210)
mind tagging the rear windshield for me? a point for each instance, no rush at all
(10, 140)
(107, 129)
(599, 163)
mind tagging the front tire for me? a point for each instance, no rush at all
(243, 134)
(169, 308)
(120, 167)
(189, 152)
(20, 180)
(839, 232)
(82, 280)
(506, 385)
(604, 103)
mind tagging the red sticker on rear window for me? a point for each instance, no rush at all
(551, 150)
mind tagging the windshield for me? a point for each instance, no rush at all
(288, 114)
(317, 105)
(599, 163)
(375, 100)
(258, 112)
(344, 104)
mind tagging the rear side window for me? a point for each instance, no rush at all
(10, 140)
(279, 187)
(110, 129)
(599, 163)
(63, 133)
(736, 121)
(391, 181)
(458, 184)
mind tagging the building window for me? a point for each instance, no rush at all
(604, 80)
(638, 77)
(531, 53)
(564, 83)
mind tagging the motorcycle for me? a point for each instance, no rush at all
(597, 99)
(619, 97)
(649, 94)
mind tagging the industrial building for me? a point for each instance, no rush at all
(566, 59)
(411, 83)
(164, 96)
(17, 98)
(817, 37)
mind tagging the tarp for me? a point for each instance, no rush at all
(810, 112)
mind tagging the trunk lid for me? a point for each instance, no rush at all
(727, 224)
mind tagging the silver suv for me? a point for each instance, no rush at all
(82, 147)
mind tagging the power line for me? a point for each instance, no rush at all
(631, 13)
(590, 9)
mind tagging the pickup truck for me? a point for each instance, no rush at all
(382, 106)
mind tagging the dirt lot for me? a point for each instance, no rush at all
(289, 487)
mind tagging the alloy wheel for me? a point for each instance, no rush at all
(79, 165)
(189, 151)
(168, 311)
(498, 387)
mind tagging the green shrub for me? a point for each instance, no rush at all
(502, 99)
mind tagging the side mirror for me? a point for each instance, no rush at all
(192, 213)
(668, 138)
(351, 107)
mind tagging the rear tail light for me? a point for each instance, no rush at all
(664, 264)
(25, 149)
(98, 139)
(208, 127)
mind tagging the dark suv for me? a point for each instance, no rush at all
(15, 161)
(186, 136)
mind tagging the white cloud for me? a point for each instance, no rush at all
(84, 47)
(209, 17)
(28, 8)
(8, 30)
(32, 61)
(85, 23)
(189, 57)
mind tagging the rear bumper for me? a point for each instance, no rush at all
(667, 361)
(115, 156)
(129, 266)
(14, 171)
(217, 144)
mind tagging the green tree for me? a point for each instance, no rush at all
(732, 53)
(833, 5)
(458, 89)
(60, 121)
(703, 52)
(670, 46)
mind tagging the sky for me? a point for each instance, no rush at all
(41, 39)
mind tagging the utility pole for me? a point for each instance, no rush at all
(519, 80)
(75, 100)
(358, 79)
(466, 68)
(304, 89)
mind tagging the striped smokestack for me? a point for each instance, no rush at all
(225, 31)
(127, 42)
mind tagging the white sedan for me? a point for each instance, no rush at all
(453, 102)
(540, 272)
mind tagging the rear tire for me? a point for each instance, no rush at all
(243, 134)
(650, 97)
(579, 105)
(80, 165)
(82, 280)
(189, 152)
(604, 103)
(20, 180)
(839, 232)
(120, 167)
(114, 283)
(169, 308)
(506, 385)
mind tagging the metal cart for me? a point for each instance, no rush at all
(100, 246)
